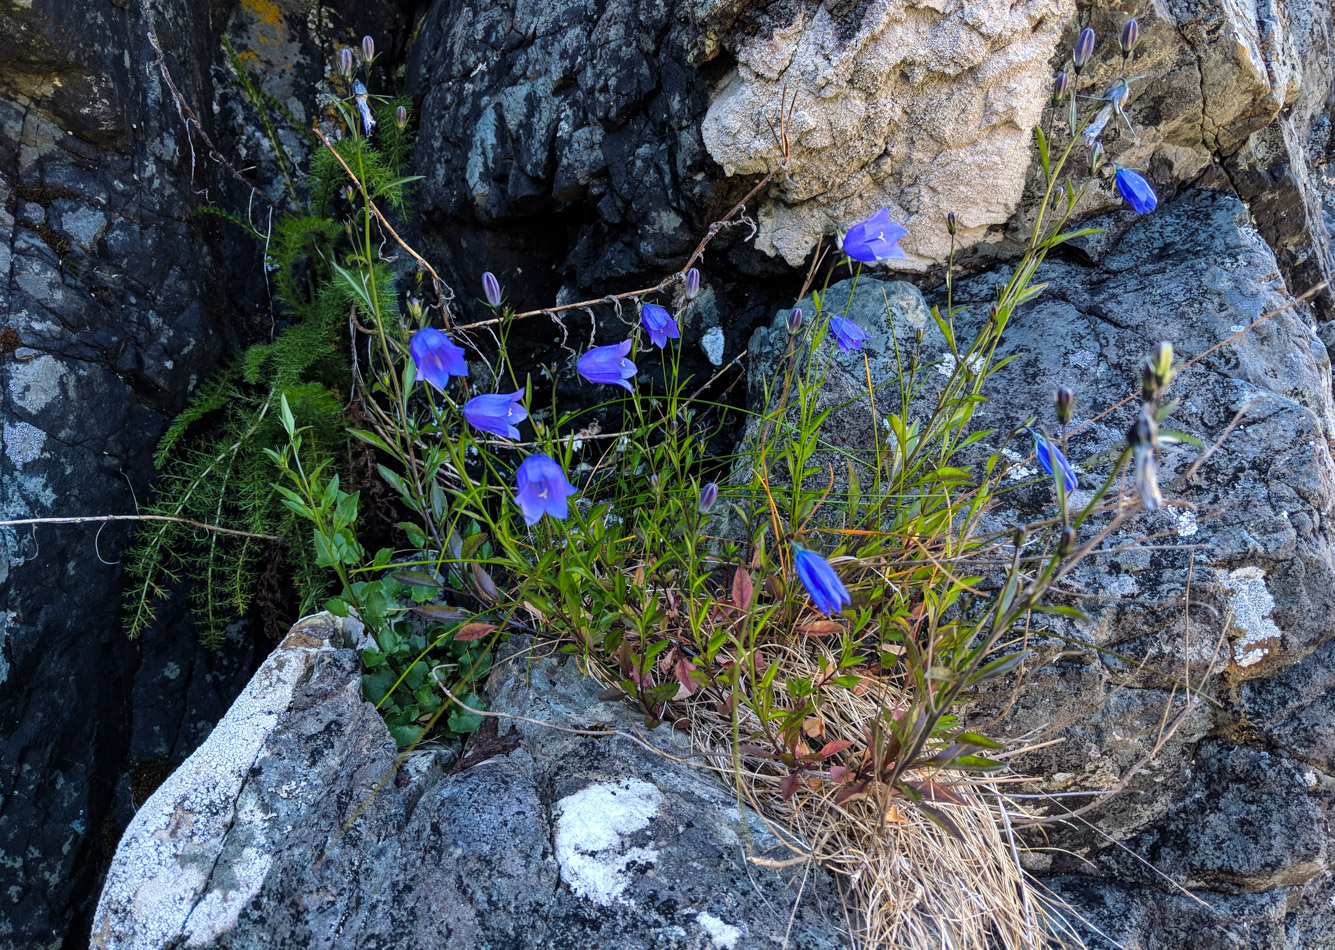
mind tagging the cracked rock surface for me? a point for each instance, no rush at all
(542, 839)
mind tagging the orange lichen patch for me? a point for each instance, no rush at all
(268, 20)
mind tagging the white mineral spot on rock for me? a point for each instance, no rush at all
(1252, 605)
(1186, 522)
(946, 365)
(1018, 471)
(1084, 358)
(724, 936)
(591, 833)
(712, 344)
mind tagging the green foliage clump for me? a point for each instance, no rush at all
(212, 459)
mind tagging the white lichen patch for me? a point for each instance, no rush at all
(1186, 522)
(724, 936)
(1018, 471)
(33, 384)
(23, 442)
(1255, 634)
(947, 364)
(591, 831)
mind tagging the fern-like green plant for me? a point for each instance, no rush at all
(212, 459)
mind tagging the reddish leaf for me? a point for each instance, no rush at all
(473, 631)
(611, 695)
(483, 585)
(838, 774)
(743, 591)
(683, 670)
(813, 726)
(933, 792)
(790, 785)
(849, 791)
(821, 628)
(834, 748)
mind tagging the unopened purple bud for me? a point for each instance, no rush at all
(952, 223)
(1064, 402)
(491, 289)
(794, 320)
(1061, 85)
(415, 307)
(345, 63)
(1066, 543)
(1084, 48)
(368, 49)
(708, 495)
(654, 483)
(1096, 156)
(692, 284)
(401, 117)
(1130, 34)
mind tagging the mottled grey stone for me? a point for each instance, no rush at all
(544, 839)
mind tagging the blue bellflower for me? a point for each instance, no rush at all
(363, 105)
(827, 592)
(436, 357)
(1050, 457)
(497, 413)
(1136, 190)
(659, 323)
(875, 239)
(607, 365)
(542, 489)
(847, 334)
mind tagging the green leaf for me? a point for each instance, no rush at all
(1043, 153)
(337, 606)
(462, 721)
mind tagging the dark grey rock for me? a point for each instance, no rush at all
(543, 839)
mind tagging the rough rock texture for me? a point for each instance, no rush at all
(1232, 819)
(114, 303)
(539, 839)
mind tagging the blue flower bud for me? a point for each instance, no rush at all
(401, 117)
(368, 49)
(952, 223)
(692, 284)
(708, 495)
(794, 320)
(345, 63)
(1084, 48)
(1061, 85)
(1136, 190)
(491, 289)
(1130, 34)
(1064, 403)
(827, 592)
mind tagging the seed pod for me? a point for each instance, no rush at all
(1084, 48)
(491, 289)
(692, 284)
(368, 49)
(1064, 402)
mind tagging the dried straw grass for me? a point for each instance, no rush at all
(910, 884)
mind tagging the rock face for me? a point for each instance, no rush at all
(1233, 815)
(538, 838)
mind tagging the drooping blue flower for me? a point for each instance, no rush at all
(659, 323)
(607, 365)
(542, 489)
(497, 413)
(363, 105)
(1050, 457)
(875, 239)
(1136, 190)
(827, 592)
(847, 334)
(436, 357)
